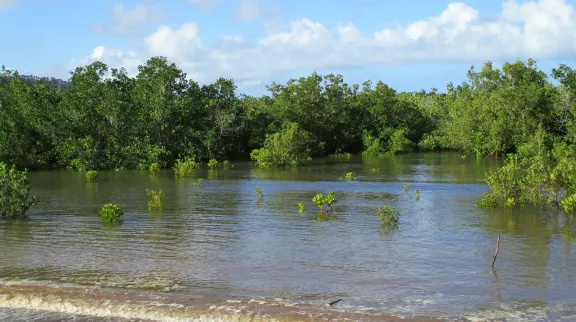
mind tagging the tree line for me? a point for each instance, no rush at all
(105, 119)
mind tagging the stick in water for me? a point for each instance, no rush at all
(334, 302)
(496, 253)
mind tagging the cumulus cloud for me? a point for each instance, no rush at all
(5, 4)
(538, 29)
(129, 21)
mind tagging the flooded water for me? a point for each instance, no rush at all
(216, 253)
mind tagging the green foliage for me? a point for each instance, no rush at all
(110, 213)
(154, 168)
(374, 170)
(226, 164)
(537, 174)
(259, 193)
(213, 164)
(569, 203)
(325, 202)
(185, 167)
(14, 191)
(199, 182)
(350, 176)
(108, 120)
(92, 175)
(157, 196)
(301, 208)
(406, 187)
(417, 194)
(388, 216)
(289, 147)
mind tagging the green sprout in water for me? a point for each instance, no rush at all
(417, 194)
(155, 204)
(213, 164)
(259, 193)
(406, 187)
(154, 168)
(226, 164)
(185, 167)
(350, 176)
(388, 216)
(198, 182)
(110, 212)
(91, 175)
(374, 170)
(301, 208)
(325, 203)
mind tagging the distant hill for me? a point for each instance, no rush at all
(60, 84)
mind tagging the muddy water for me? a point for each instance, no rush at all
(217, 253)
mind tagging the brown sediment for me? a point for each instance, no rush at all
(148, 307)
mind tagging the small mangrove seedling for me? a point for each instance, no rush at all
(463, 157)
(198, 182)
(154, 168)
(91, 175)
(226, 164)
(325, 202)
(301, 208)
(259, 193)
(417, 194)
(155, 203)
(110, 212)
(374, 170)
(388, 216)
(350, 176)
(406, 187)
(185, 167)
(213, 164)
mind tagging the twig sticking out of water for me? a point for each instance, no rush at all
(335, 302)
(496, 252)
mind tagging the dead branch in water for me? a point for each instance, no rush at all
(496, 252)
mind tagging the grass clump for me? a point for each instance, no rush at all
(14, 191)
(110, 212)
(155, 204)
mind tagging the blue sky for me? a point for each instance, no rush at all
(410, 44)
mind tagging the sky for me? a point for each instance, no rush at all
(410, 44)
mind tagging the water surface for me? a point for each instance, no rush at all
(217, 249)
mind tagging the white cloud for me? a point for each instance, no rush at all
(539, 29)
(5, 4)
(129, 21)
(248, 10)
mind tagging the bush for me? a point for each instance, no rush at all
(289, 147)
(14, 191)
(110, 212)
(213, 164)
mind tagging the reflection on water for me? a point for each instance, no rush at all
(217, 242)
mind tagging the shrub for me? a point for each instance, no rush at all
(226, 164)
(91, 175)
(14, 191)
(301, 208)
(155, 203)
(289, 147)
(185, 167)
(110, 212)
